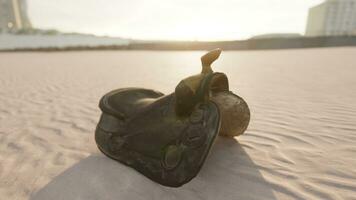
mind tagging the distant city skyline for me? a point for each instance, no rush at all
(172, 20)
(332, 17)
(13, 15)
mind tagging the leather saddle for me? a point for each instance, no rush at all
(168, 137)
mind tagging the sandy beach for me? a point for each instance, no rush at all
(301, 142)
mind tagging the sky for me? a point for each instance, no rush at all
(203, 20)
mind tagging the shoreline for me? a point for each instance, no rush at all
(238, 45)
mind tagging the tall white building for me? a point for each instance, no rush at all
(332, 17)
(13, 15)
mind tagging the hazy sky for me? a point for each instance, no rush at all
(168, 19)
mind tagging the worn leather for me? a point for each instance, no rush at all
(168, 137)
(153, 140)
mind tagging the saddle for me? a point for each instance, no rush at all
(168, 137)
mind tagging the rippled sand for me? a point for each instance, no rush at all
(301, 142)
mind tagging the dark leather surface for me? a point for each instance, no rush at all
(152, 139)
(124, 102)
(168, 137)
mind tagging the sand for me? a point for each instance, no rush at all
(301, 142)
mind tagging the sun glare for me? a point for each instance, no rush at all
(173, 20)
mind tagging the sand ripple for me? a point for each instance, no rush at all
(301, 143)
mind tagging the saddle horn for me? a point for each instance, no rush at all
(195, 89)
(208, 59)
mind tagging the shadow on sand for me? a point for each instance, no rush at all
(228, 173)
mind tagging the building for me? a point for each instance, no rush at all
(13, 15)
(332, 17)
